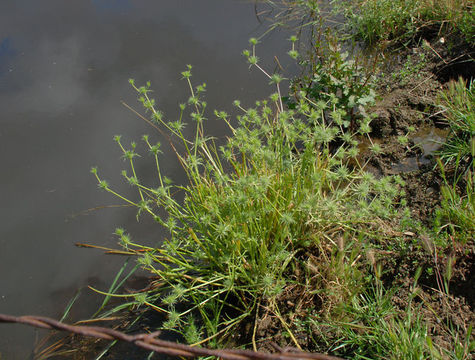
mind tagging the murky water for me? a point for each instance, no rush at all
(64, 67)
(429, 140)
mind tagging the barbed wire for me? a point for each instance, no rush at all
(149, 341)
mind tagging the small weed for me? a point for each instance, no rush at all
(371, 328)
(457, 209)
(456, 163)
(463, 348)
(339, 87)
(458, 104)
(411, 69)
(403, 140)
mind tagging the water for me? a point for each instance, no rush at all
(429, 140)
(64, 67)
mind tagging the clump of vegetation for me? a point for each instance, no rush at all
(376, 328)
(456, 160)
(458, 206)
(458, 104)
(285, 181)
(381, 21)
(338, 85)
(402, 20)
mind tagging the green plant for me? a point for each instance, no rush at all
(339, 87)
(457, 209)
(383, 19)
(463, 349)
(375, 329)
(458, 104)
(233, 239)
(403, 140)
(404, 20)
(466, 25)
(410, 69)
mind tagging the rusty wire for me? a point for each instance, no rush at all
(150, 342)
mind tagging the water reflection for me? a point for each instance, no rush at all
(64, 67)
(112, 5)
(6, 54)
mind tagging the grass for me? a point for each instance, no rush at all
(380, 22)
(403, 20)
(457, 209)
(457, 102)
(376, 329)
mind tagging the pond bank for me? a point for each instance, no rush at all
(334, 228)
(411, 128)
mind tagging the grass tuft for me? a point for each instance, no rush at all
(295, 182)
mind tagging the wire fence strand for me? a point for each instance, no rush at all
(149, 341)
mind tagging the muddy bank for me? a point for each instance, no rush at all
(410, 129)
